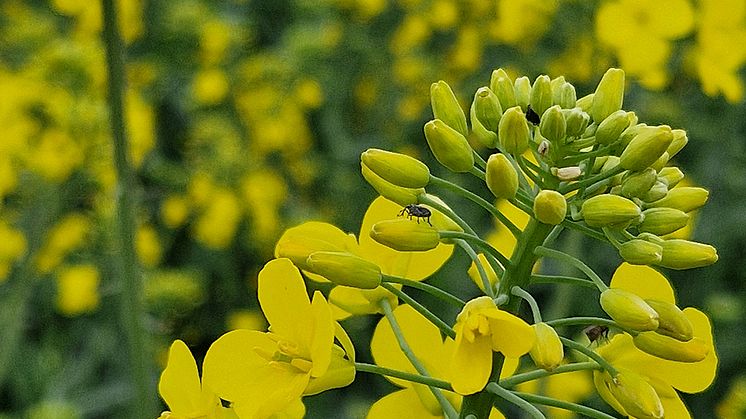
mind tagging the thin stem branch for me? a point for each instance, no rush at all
(573, 407)
(520, 292)
(585, 230)
(590, 354)
(560, 279)
(564, 257)
(415, 378)
(486, 285)
(514, 380)
(591, 180)
(511, 397)
(477, 241)
(443, 326)
(479, 160)
(432, 290)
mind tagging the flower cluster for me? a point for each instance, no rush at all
(582, 164)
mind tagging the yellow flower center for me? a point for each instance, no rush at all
(287, 353)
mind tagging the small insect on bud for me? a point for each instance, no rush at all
(609, 95)
(683, 198)
(672, 321)
(662, 221)
(543, 148)
(522, 88)
(446, 107)
(396, 168)
(547, 352)
(513, 132)
(671, 349)
(646, 147)
(449, 147)
(400, 195)
(629, 310)
(502, 85)
(550, 207)
(684, 254)
(405, 236)
(501, 177)
(611, 128)
(553, 126)
(541, 94)
(344, 268)
(596, 333)
(609, 210)
(532, 116)
(640, 252)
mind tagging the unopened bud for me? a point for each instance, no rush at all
(585, 103)
(685, 254)
(565, 97)
(296, 243)
(637, 396)
(522, 87)
(685, 198)
(637, 184)
(658, 191)
(576, 121)
(550, 207)
(547, 352)
(396, 168)
(662, 221)
(513, 132)
(672, 175)
(478, 131)
(541, 94)
(672, 321)
(400, 195)
(628, 134)
(671, 349)
(609, 95)
(449, 147)
(679, 141)
(629, 310)
(446, 107)
(609, 210)
(647, 147)
(640, 252)
(501, 177)
(501, 84)
(611, 128)
(405, 235)
(344, 268)
(553, 125)
(487, 108)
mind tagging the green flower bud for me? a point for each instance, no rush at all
(672, 321)
(611, 128)
(685, 254)
(566, 97)
(652, 238)
(640, 252)
(637, 184)
(480, 132)
(661, 162)
(398, 194)
(513, 131)
(553, 125)
(671, 174)
(662, 221)
(522, 87)
(501, 84)
(344, 268)
(487, 108)
(446, 107)
(685, 198)
(541, 94)
(585, 103)
(550, 207)
(671, 349)
(501, 177)
(449, 147)
(576, 121)
(405, 236)
(440, 220)
(647, 147)
(555, 84)
(547, 352)
(609, 210)
(679, 141)
(396, 168)
(658, 191)
(609, 94)
(628, 134)
(629, 310)
(636, 396)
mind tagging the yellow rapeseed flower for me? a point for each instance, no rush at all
(77, 290)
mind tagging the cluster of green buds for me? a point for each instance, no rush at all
(584, 164)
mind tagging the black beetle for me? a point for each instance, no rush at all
(416, 211)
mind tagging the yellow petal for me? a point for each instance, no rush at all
(644, 281)
(404, 404)
(510, 334)
(356, 301)
(179, 384)
(345, 340)
(340, 373)
(471, 364)
(285, 303)
(323, 335)
(412, 265)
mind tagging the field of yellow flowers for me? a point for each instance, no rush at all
(176, 177)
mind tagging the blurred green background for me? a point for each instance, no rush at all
(248, 116)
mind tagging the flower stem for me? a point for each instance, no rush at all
(404, 346)
(415, 378)
(590, 354)
(126, 267)
(559, 279)
(479, 160)
(443, 326)
(478, 263)
(573, 407)
(434, 291)
(537, 374)
(486, 247)
(532, 410)
(564, 257)
(520, 292)
(591, 180)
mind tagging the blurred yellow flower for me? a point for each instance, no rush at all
(246, 319)
(77, 289)
(174, 211)
(55, 156)
(68, 234)
(12, 247)
(216, 226)
(210, 86)
(148, 246)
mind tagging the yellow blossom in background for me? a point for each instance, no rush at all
(522, 22)
(210, 86)
(12, 247)
(174, 211)
(68, 234)
(245, 319)
(77, 289)
(140, 127)
(573, 387)
(55, 156)
(215, 36)
(309, 94)
(148, 246)
(173, 292)
(264, 192)
(89, 21)
(216, 226)
(733, 405)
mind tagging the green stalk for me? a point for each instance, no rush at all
(560, 279)
(434, 291)
(573, 407)
(590, 354)
(486, 247)
(443, 326)
(479, 160)
(126, 266)
(520, 292)
(591, 180)
(532, 411)
(415, 378)
(570, 260)
(514, 380)
(482, 273)
(404, 346)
